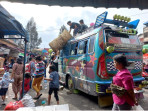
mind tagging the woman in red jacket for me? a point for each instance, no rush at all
(26, 83)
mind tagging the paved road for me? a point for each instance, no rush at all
(79, 101)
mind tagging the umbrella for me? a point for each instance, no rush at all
(21, 54)
(44, 51)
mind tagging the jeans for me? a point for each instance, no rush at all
(36, 84)
(76, 30)
(45, 72)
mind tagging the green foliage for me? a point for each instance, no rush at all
(35, 41)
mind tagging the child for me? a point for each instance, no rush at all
(54, 83)
(4, 83)
(26, 83)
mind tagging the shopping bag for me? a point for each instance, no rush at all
(28, 101)
(14, 105)
(138, 108)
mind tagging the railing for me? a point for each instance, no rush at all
(87, 30)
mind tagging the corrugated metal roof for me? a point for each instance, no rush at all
(141, 4)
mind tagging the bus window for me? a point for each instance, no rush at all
(121, 38)
(66, 50)
(91, 44)
(61, 53)
(82, 47)
(73, 50)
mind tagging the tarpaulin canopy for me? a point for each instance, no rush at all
(145, 46)
(9, 25)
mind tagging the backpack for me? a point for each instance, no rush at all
(28, 67)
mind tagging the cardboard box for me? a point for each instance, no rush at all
(1, 62)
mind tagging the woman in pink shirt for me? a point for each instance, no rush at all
(124, 79)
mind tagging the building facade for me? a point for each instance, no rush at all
(145, 33)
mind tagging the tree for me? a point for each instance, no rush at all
(62, 29)
(35, 41)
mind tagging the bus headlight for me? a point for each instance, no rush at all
(110, 49)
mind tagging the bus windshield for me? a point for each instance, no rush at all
(120, 38)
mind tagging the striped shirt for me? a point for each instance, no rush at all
(39, 72)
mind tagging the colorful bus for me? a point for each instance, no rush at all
(86, 61)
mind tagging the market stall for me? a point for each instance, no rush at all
(10, 26)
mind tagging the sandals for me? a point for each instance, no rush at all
(37, 96)
(14, 98)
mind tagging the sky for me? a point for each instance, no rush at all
(49, 19)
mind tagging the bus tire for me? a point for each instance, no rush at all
(70, 83)
(105, 100)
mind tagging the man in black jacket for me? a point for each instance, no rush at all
(75, 26)
(83, 26)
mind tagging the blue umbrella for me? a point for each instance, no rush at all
(44, 51)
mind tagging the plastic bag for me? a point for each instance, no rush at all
(138, 108)
(27, 101)
(45, 84)
(14, 105)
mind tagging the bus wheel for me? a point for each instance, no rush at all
(105, 100)
(70, 83)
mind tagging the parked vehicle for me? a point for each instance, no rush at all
(86, 61)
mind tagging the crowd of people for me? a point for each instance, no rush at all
(35, 72)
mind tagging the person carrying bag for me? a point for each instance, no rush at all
(122, 86)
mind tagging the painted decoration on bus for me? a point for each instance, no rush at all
(119, 40)
(101, 39)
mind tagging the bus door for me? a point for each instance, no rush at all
(82, 62)
(64, 53)
(72, 60)
(90, 65)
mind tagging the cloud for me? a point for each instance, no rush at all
(49, 19)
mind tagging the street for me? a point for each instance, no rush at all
(80, 101)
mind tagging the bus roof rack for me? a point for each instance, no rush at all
(101, 19)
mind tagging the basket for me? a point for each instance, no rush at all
(60, 41)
